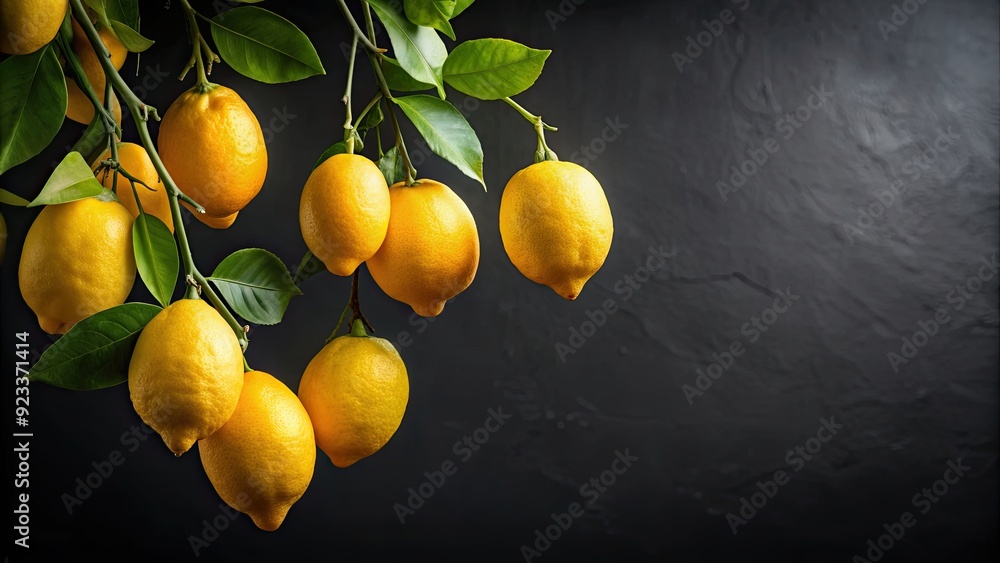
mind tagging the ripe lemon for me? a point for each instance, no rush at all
(77, 260)
(27, 25)
(78, 106)
(136, 162)
(556, 225)
(431, 249)
(186, 373)
(355, 391)
(213, 147)
(344, 212)
(261, 461)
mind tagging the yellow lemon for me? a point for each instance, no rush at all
(186, 373)
(77, 260)
(431, 249)
(261, 461)
(344, 212)
(556, 225)
(78, 106)
(213, 146)
(28, 25)
(134, 159)
(355, 391)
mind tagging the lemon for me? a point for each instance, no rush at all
(355, 391)
(261, 461)
(28, 25)
(186, 373)
(77, 260)
(213, 147)
(344, 212)
(556, 225)
(431, 249)
(134, 159)
(78, 106)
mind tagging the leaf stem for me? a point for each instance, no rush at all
(141, 113)
(368, 108)
(543, 152)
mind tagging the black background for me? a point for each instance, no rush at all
(495, 344)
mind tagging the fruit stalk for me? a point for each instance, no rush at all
(141, 112)
(83, 82)
(369, 45)
(113, 138)
(199, 49)
(373, 55)
(348, 126)
(543, 152)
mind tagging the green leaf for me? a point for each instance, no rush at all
(130, 38)
(123, 11)
(95, 353)
(122, 18)
(392, 167)
(256, 284)
(264, 46)
(309, 266)
(339, 148)
(448, 134)
(336, 148)
(418, 49)
(431, 13)
(372, 118)
(156, 256)
(398, 80)
(493, 69)
(71, 180)
(460, 7)
(32, 105)
(12, 199)
(93, 142)
(100, 10)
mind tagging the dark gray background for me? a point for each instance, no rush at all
(494, 346)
